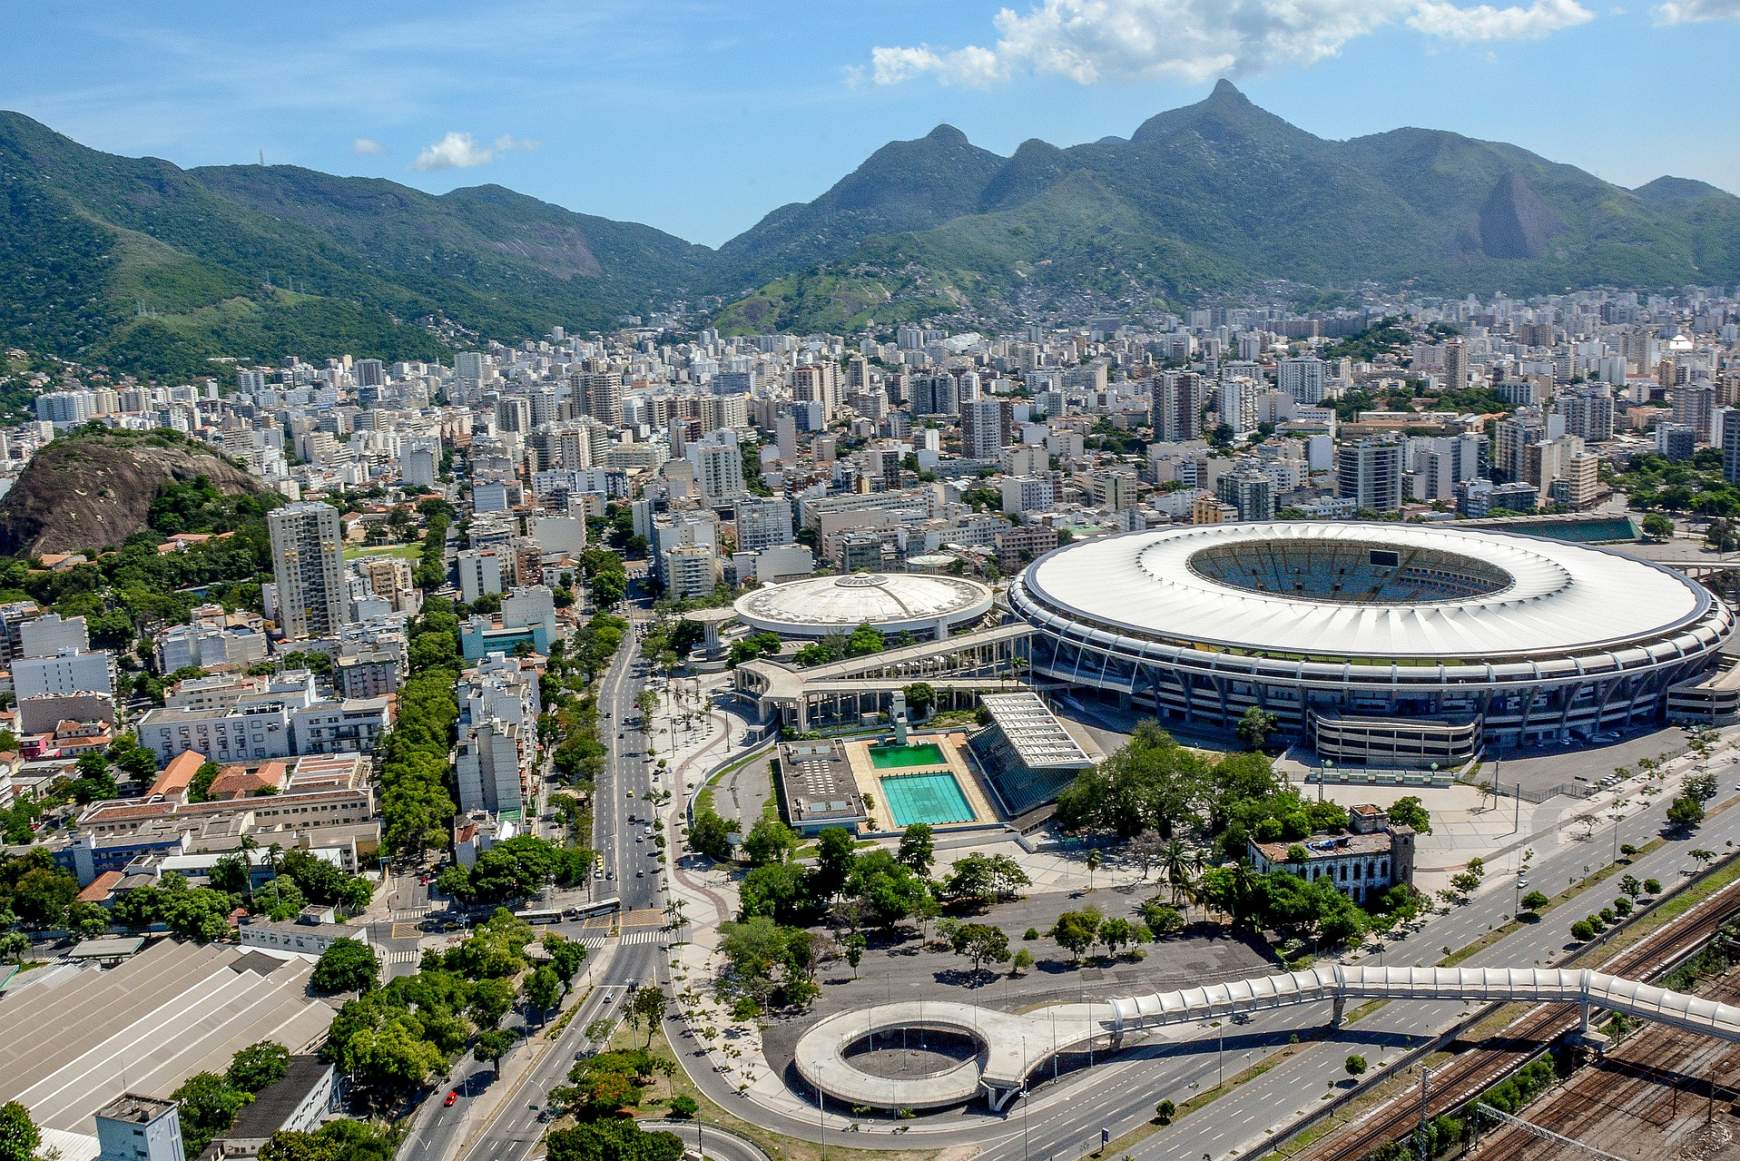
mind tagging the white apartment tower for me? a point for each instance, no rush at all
(308, 566)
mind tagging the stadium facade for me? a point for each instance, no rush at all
(1384, 644)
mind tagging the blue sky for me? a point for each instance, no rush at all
(699, 117)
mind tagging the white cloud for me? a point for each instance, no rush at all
(367, 147)
(1088, 41)
(462, 151)
(1485, 22)
(1693, 11)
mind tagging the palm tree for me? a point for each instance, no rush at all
(1177, 862)
(1093, 864)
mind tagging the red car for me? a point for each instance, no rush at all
(451, 1097)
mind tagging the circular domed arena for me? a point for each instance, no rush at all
(1383, 643)
(891, 603)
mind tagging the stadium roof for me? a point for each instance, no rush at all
(1538, 598)
(890, 602)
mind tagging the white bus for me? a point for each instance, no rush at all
(547, 915)
(601, 907)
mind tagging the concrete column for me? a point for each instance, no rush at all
(1338, 1011)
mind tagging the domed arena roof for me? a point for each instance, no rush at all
(889, 602)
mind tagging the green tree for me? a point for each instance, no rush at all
(492, 1045)
(490, 1001)
(769, 841)
(612, 1140)
(1255, 725)
(981, 943)
(1410, 811)
(920, 698)
(917, 848)
(347, 966)
(87, 920)
(1658, 527)
(14, 946)
(1022, 963)
(208, 1104)
(19, 1136)
(835, 851)
(1075, 931)
(854, 945)
(1685, 812)
(710, 836)
(1535, 901)
(543, 990)
(258, 1066)
(646, 1009)
(1355, 1065)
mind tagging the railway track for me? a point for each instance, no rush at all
(1472, 1072)
(1628, 1082)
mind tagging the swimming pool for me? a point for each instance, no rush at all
(897, 757)
(931, 798)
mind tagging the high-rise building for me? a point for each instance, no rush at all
(1250, 491)
(308, 566)
(1305, 379)
(1176, 410)
(1369, 472)
(599, 394)
(718, 470)
(985, 428)
(370, 373)
(818, 383)
(1455, 365)
(763, 522)
(1588, 414)
(1731, 445)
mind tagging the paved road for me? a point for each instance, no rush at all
(1064, 1118)
(638, 956)
(1122, 1097)
(709, 1141)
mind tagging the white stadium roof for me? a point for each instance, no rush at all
(890, 602)
(1559, 597)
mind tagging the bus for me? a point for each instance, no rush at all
(588, 910)
(546, 915)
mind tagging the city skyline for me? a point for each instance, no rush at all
(556, 102)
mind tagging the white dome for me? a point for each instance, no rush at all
(889, 602)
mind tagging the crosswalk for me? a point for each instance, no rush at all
(409, 955)
(629, 938)
(409, 914)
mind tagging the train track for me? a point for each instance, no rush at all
(1472, 1072)
(1628, 1081)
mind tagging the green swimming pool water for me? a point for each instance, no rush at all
(897, 757)
(932, 798)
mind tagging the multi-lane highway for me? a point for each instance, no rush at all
(616, 963)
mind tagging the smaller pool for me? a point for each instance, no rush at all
(932, 798)
(896, 757)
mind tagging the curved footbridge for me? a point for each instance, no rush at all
(1012, 1046)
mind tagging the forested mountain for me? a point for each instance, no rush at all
(147, 267)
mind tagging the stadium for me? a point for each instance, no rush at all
(1382, 644)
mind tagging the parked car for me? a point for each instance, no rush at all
(452, 1097)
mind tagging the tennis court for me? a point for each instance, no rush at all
(930, 798)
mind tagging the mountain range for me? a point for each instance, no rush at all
(149, 267)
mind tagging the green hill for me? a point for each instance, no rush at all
(138, 264)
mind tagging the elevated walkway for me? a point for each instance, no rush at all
(1012, 1046)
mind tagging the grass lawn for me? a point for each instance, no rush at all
(655, 1106)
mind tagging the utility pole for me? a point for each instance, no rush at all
(1425, 1077)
